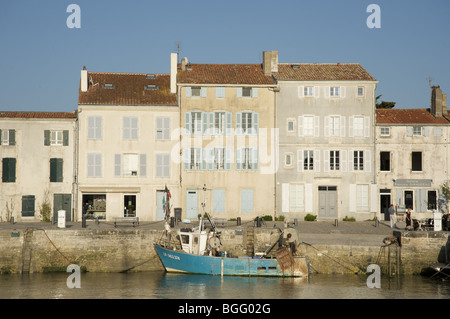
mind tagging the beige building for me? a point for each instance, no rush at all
(227, 139)
(37, 150)
(326, 117)
(126, 124)
(412, 156)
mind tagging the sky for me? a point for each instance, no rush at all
(41, 56)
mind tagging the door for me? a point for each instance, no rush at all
(28, 205)
(192, 204)
(129, 205)
(409, 201)
(160, 214)
(385, 202)
(62, 202)
(328, 201)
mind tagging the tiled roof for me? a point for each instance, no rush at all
(128, 89)
(40, 115)
(224, 74)
(408, 116)
(322, 72)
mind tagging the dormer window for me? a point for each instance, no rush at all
(151, 87)
(150, 76)
(108, 86)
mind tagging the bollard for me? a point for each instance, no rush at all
(172, 222)
(83, 221)
(376, 222)
(12, 220)
(295, 222)
(336, 223)
(238, 221)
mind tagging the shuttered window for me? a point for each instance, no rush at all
(163, 128)
(94, 127)
(7, 137)
(8, 170)
(56, 170)
(130, 128)
(162, 165)
(94, 165)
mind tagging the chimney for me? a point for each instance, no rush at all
(270, 62)
(184, 62)
(173, 72)
(84, 80)
(438, 102)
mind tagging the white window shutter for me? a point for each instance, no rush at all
(343, 158)
(326, 161)
(327, 91)
(300, 125)
(203, 159)
(326, 125)
(188, 91)
(300, 160)
(373, 198)
(238, 123)
(309, 200)
(117, 165)
(239, 92)
(301, 91)
(228, 123)
(351, 160)
(211, 130)
(350, 126)
(409, 131)
(352, 198)
(367, 160)
(285, 198)
(316, 126)
(255, 123)
(342, 124)
(203, 91)
(342, 91)
(187, 122)
(255, 159)
(317, 161)
(142, 165)
(317, 91)
(366, 126)
(187, 158)
(227, 159)
(255, 92)
(426, 131)
(204, 122)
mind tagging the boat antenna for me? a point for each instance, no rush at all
(213, 226)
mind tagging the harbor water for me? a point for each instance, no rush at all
(161, 285)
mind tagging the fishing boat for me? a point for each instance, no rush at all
(199, 250)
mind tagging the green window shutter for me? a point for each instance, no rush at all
(65, 138)
(12, 137)
(53, 169)
(9, 170)
(12, 170)
(47, 137)
(59, 170)
(5, 170)
(0, 137)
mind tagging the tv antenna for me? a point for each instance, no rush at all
(178, 49)
(430, 81)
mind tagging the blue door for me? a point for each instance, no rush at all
(192, 204)
(247, 200)
(159, 205)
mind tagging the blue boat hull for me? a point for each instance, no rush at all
(175, 261)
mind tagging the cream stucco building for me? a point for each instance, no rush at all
(37, 151)
(126, 138)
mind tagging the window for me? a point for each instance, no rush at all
(130, 165)
(432, 200)
(219, 122)
(296, 198)
(8, 137)
(291, 125)
(416, 161)
(56, 170)
(247, 92)
(194, 121)
(334, 91)
(385, 161)
(247, 158)
(308, 160)
(8, 170)
(358, 126)
(162, 165)
(196, 91)
(163, 128)
(385, 131)
(334, 160)
(94, 165)
(288, 159)
(217, 160)
(417, 131)
(193, 159)
(308, 125)
(335, 125)
(55, 138)
(358, 160)
(247, 200)
(308, 91)
(94, 127)
(247, 123)
(360, 91)
(108, 86)
(130, 128)
(220, 92)
(362, 197)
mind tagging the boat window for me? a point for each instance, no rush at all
(185, 239)
(195, 240)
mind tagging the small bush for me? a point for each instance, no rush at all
(310, 218)
(348, 219)
(267, 218)
(281, 218)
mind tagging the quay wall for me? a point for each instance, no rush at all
(131, 249)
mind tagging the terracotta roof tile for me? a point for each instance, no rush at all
(40, 115)
(408, 116)
(322, 72)
(224, 74)
(129, 89)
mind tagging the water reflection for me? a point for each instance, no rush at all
(159, 285)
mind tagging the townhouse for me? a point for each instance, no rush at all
(126, 121)
(412, 157)
(325, 115)
(37, 151)
(227, 141)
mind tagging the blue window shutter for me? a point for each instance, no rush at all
(239, 92)
(255, 120)
(254, 158)
(228, 125)
(255, 92)
(239, 158)
(247, 200)
(203, 92)
(188, 91)
(238, 123)
(187, 122)
(187, 158)
(203, 158)
(204, 122)
(211, 124)
(227, 159)
(210, 158)
(409, 131)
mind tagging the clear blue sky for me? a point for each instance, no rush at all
(41, 58)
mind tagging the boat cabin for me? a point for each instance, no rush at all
(193, 242)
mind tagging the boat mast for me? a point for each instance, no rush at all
(213, 226)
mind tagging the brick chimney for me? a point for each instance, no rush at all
(270, 62)
(438, 102)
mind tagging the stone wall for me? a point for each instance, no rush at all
(130, 249)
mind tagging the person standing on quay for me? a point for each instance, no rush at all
(392, 215)
(408, 219)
